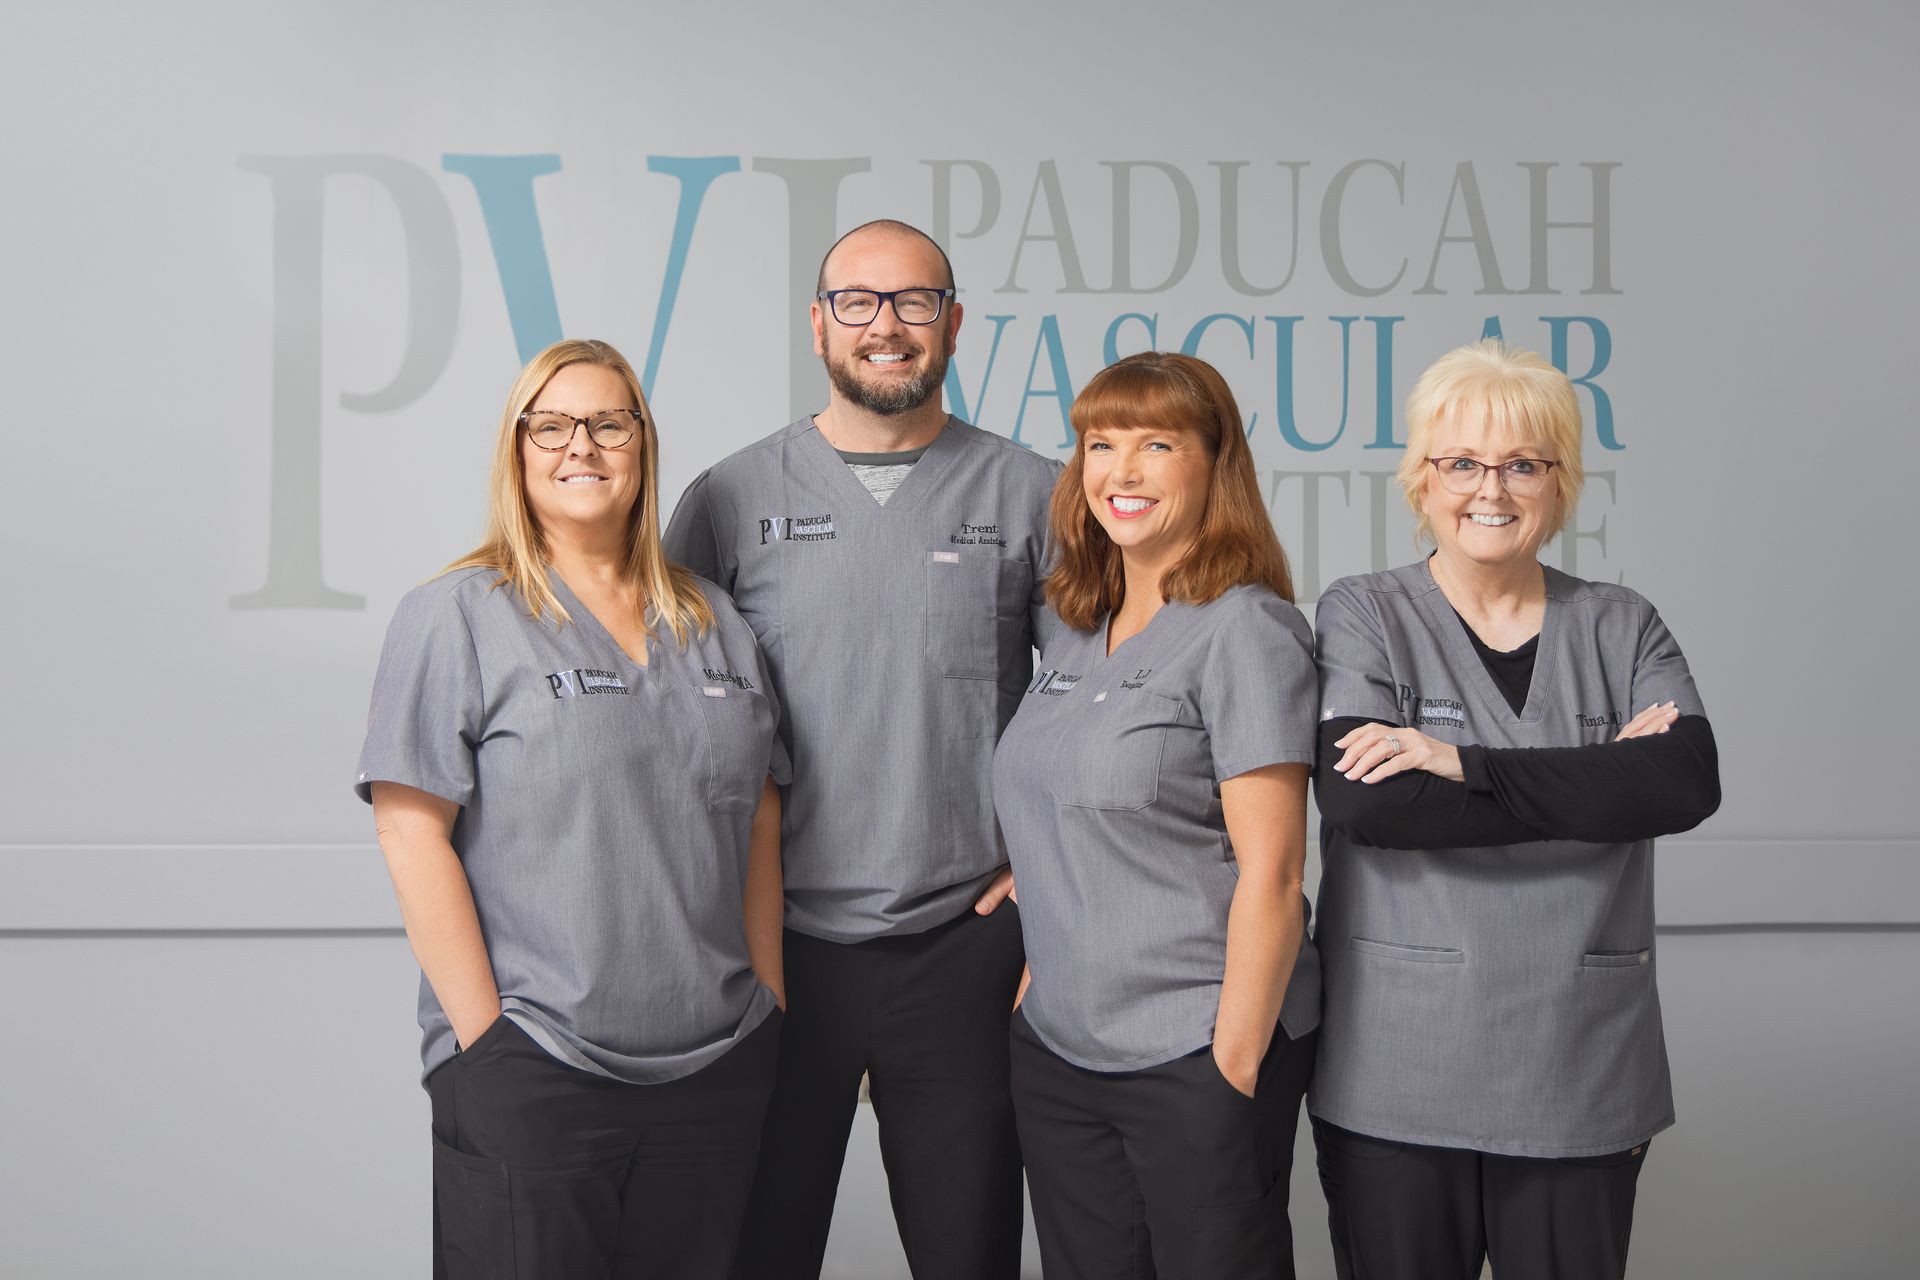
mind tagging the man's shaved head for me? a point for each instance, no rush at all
(888, 227)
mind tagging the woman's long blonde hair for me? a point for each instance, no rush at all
(515, 546)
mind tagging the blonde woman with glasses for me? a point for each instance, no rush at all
(1500, 743)
(572, 762)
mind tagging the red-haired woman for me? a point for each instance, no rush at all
(1152, 791)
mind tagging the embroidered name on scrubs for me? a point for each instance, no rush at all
(1108, 798)
(584, 682)
(1053, 683)
(796, 529)
(978, 535)
(726, 677)
(1543, 942)
(950, 623)
(611, 902)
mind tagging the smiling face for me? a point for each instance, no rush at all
(1147, 486)
(885, 366)
(1489, 527)
(583, 485)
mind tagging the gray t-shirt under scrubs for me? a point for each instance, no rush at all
(604, 814)
(900, 638)
(1498, 999)
(1108, 788)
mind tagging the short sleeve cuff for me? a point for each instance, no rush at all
(1681, 693)
(1224, 770)
(445, 776)
(1378, 712)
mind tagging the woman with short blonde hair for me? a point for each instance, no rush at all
(1519, 395)
(1500, 744)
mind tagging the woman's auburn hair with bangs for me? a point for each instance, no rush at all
(1236, 544)
(515, 547)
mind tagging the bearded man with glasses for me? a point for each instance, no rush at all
(888, 556)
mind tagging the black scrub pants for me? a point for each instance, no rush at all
(1400, 1211)
(925, 1016)
(1168, 1172)
(542, 1171)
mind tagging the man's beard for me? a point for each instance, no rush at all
(895, 395)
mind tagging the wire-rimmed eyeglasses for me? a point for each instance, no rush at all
(1524, 476)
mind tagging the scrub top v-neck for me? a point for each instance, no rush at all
(587, 618)
(882, 473)
(1107, 785)
(605, 811)
(1524, 973)
(899, 637)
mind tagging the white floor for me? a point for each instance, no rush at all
(217, 1107)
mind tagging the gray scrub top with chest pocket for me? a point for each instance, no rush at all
(604, 815)
(1498, 999)
(1108, 788)
(899, 638)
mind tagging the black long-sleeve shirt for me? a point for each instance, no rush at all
(1605, 793)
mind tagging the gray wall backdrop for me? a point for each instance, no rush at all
(269, 270)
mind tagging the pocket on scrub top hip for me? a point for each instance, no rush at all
(1617, 959)
(1407, 952)
(963, 591)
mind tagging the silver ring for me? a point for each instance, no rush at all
(1394, 743)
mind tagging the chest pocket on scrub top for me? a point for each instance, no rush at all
(1110, 756)
(963, 597)
(739, 737)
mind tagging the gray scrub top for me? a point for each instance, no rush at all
(1498, 999)
(900, 638)
(1108, 788)
(604, 815)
